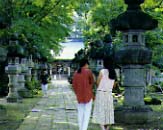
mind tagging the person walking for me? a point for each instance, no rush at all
(103, 112)
(82, 83)
(44, 82)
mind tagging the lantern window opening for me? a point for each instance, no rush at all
(135, 38)
(126, 38)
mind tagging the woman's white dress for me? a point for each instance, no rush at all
(103, 112)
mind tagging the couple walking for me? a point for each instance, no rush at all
(83, 80)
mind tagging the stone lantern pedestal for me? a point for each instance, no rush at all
(23, 92)
(30, 65)
(133, 57)
(13, 70)
(29, 74)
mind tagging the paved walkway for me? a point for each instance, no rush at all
(56, 112)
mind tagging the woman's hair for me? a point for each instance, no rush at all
(83, 62)
(108, 64)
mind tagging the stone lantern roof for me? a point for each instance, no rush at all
(134, 18)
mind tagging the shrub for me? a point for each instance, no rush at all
(154, 88)
(33, 86)
(152, 101)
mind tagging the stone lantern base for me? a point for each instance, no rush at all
(12, 99)
(22, 90)
(134, 115)
(12, 96)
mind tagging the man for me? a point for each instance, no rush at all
(82, 84)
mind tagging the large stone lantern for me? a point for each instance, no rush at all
(13, 69)
(133, 57)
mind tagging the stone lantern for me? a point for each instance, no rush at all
(36, 68)
(133, 57)
(30, 66)
(13, 69)
(15, 51)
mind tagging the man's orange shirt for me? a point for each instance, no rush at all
(82, 84)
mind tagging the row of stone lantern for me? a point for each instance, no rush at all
(18, 72)
(19, 69)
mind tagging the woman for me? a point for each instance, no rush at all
(103, 112)
(82, 84)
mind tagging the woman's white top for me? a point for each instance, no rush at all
(106, 84)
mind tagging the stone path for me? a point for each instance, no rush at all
(55, 112)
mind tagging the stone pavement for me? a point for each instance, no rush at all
(55, 112)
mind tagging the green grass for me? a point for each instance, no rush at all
(15, 113)
(97, 127)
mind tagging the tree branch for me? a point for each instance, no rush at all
(47, 11)
(157, 6)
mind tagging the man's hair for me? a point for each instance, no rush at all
(83, 62)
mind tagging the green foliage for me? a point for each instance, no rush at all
(152, 101)
(39, 25)
(33, 86)
(155, 87)
(2, 107)
(99, 17)
(99, 50)
(154, 38)
(78, 56)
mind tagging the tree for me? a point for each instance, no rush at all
(99, 17)
(154, 38)
(37, 25)
(40, 24)
(101, 12)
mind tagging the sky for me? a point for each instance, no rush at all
(69, 49)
